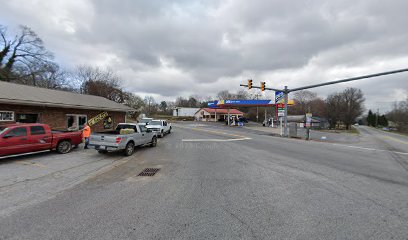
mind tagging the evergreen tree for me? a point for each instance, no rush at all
(383, 121)
(371, 118)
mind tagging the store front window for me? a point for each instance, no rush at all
(27, 118)
(6, 116)
(76, 122)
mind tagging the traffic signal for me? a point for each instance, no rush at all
(249, 83)
(263, 86)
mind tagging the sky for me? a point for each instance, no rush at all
(177, 48)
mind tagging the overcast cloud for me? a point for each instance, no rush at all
(172, 48)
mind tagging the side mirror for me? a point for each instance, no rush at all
(149, 130)
(7, 136)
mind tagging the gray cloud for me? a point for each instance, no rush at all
(171, 48)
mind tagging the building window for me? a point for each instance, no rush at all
(76, 122)
(6, 116)
(81, 121)
(26, 118)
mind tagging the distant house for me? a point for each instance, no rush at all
(184, 112)
(215, 115)
(320, 123)
(60, 109)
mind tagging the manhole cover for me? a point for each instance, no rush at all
(148, 172)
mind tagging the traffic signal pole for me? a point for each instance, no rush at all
(286, 90)
(285, 133)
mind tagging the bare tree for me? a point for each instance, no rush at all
(242, 94)
(303, 102)
(193, 102)
(43, 74)
(6, 44)
(334, 106)
(399, 115)
(134, 102)
(345, 107)
(99, 82)
(353, 101)
(181, 102)
(150, 105)
(24, 49)
(317, 107)
(225, 94)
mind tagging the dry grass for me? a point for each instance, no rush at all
(353, 130)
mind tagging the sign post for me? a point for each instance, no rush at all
(308, 125)
(280, 119)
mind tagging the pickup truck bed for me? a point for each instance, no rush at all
(114, 141)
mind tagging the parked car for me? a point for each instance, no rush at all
(26, 138)
(160, 127)
(145, 121)
(242, 119)
(121, 139)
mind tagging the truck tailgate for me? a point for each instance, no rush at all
(104, 140)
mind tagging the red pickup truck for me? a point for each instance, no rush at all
(20, 139)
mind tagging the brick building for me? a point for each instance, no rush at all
(61, 110)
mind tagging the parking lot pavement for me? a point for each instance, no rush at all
(31, 179)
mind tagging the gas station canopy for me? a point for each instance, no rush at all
(243, 103)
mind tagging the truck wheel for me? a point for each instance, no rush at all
(154, 142)
(130, 148)
(64, 147)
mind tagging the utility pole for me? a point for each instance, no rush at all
(265, 117)
(257, 110)
(376, 119)
(286, 90)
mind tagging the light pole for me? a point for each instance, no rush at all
(257, 109)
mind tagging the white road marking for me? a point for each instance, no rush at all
(369, 149)
(237, 137)
(215, 140)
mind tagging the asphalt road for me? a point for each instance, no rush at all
(225, 183)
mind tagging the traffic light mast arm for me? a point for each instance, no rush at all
(348, 79)
(273, 89)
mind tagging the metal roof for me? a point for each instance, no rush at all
(221, 110)
(11, 93)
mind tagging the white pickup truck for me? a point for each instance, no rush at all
(160, 127)
(117, 141)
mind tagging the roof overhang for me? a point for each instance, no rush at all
(61, 105)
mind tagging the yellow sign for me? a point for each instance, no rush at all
(97, 118)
